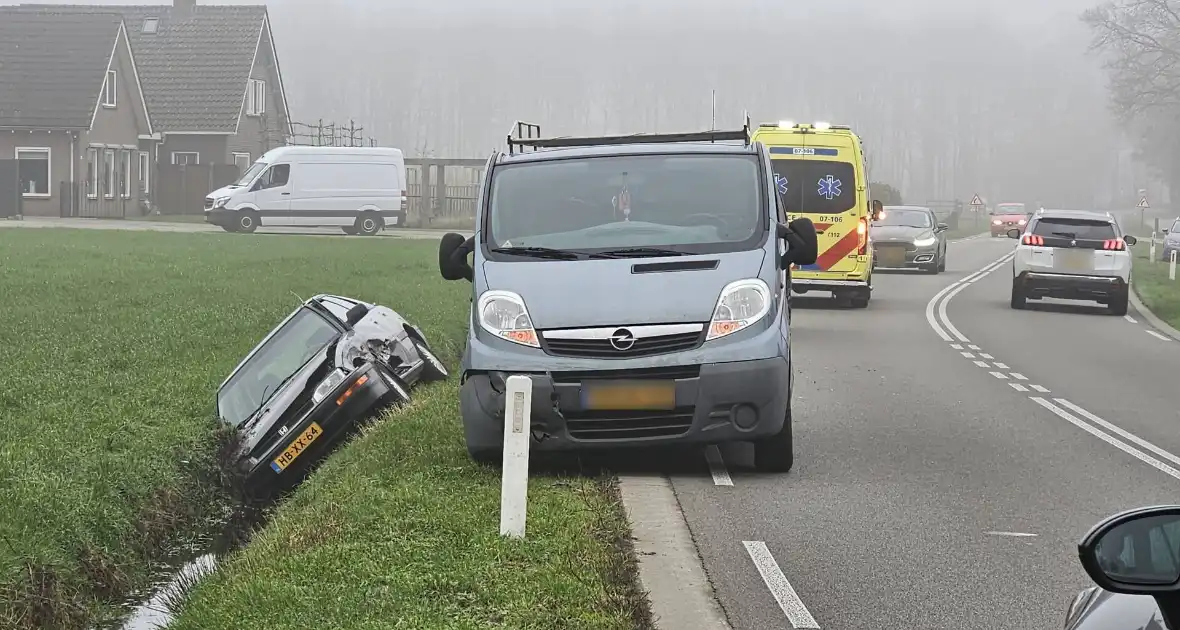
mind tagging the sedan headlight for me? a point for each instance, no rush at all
(220, 202)
(741, 304)
(925, 241)
(503, 314)
(997, 222)
(327, 385)
(1022, 222)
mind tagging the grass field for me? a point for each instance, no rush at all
(115, 343)
(1159, 294)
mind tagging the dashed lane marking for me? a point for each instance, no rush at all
(788, 600)
(717, 466)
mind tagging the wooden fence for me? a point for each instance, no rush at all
(182, 188)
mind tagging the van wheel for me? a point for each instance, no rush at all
(247, 222)
(367, 224)
(776, 453)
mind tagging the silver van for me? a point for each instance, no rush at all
(642, 282)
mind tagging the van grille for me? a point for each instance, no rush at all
(602, 348)
(670, 373)
(208, 203)
(627, 425)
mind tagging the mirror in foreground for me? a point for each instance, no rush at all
(452, 258)
(1136, 552)
(1014, 233)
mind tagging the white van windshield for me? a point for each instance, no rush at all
(689, 203)
(250, 174)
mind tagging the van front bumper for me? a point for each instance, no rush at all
(715, 403)
(219, 217)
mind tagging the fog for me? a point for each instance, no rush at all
(998, 97)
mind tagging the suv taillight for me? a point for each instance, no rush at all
(862, 237)
(1032, 239)
(1115, 244)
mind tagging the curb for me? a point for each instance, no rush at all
(670, 568)
(1158, 323)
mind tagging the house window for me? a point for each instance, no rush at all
(108, 173)
(151, 25)
(125, 173)
(33, 166)
(242, 161)
(92, 173)
(145, 172)
(185, 158)
(256, 97)
(110, 89)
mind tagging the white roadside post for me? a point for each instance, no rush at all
(514, 485)
(1172, 265)
(1154, 230)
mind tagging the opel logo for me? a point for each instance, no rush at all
(622, 339)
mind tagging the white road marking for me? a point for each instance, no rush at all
(973, 347)
(933, 303)
(779, 587)
(999, 375)
(1157, 335)
(1105, 437)
(1002, 366)
(1018, 376)
(982, 364)
(1130, 319)
(984, 355)
(1043, 390)
(717, 466)
(968, 355)
(1018, 387)
(1130, 437)
(956, 346)
(1013, 534)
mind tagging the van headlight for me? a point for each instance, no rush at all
(220, 202)
(503, 314)
(925, 241)
(742, 303)
(327, 385)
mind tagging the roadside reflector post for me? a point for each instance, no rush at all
(1172, 265)
(514, 488)
(1155, 229)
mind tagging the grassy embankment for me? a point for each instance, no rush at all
(1150, 279)
(115, 342)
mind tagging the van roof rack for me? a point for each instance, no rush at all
(527, 135)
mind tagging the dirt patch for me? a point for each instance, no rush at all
(106, 579)
(43, 600)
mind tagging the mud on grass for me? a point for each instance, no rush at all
(114, 346)
(402, 530)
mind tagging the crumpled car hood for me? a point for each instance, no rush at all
(280, 404)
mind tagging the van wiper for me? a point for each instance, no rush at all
(644, 251)
(547, 252)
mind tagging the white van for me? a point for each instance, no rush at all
(361, 190)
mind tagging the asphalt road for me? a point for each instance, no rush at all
(933, 489)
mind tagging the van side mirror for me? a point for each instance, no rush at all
(452, 257)
(877, 208)
(356, 314)
(802, 243)
(1014, 233)
(1131, 553)
(1130, 240)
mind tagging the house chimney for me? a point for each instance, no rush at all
(184, 6)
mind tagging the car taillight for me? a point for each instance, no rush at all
(1115, 244)
(1032, 239)
(862, 237)
(405, 204)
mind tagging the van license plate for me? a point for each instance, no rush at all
(624, 395)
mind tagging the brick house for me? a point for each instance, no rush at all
(211, 81)
(72, 110)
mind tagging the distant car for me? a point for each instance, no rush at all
(330, 363)
(909, 237)
(1007, 216)
(1171, 236)
(1072, 255)
(1134, 558)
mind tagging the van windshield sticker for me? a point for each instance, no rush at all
(781, 183)
(829, 187)
(803, 151)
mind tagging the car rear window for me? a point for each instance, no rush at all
(1086, 229)
(815, 186)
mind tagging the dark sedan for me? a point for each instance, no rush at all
(909, 237)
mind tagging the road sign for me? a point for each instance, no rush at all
(976, 201)
(1143, 203)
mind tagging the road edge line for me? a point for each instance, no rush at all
(1151, 318)
(670, 567)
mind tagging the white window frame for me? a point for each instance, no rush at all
(94, 163)
(126, 162)
(110, 90)
(111, 174)
(255, 97)
(48, 153)
(145, 171)
(235, 155)
(195, 162)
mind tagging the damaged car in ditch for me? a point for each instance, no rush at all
(332, 362)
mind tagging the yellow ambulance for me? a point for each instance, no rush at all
(819, 171)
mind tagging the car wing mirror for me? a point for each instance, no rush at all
(452, 257)
(802, 243)
(1014, 233)
(1134, 553)
(876, 209)
(1130, 240)
(942, 227)
(356, 314)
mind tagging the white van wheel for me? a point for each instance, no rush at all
(368, 223)
(247, 222)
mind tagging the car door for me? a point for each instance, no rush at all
(272, 195)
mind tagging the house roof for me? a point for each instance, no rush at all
(52, 67)
(195, 67)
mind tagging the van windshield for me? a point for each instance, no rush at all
(815, 186)
(694, 204)
(250, 174)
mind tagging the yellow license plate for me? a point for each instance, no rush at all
(618, 396)
(296, 448)
(1073, 260)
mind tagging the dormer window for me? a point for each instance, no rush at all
(151, 25)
